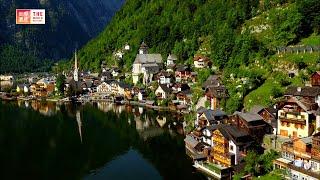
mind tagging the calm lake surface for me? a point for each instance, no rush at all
(91, 142)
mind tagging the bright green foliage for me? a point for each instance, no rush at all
(61, 79)
(240, 37)
(259, 164)
(170, 26)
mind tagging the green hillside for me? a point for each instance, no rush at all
(240, 37)
(69, 24)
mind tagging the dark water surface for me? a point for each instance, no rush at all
(92, 142)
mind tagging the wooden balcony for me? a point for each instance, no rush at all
(223, 160)
(304, 171)
(219, 139)
(315, 154)
(296, 152)
(294, 121)
(220, 149)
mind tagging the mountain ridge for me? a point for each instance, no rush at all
(69, 25)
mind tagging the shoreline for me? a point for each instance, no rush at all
(126, 102)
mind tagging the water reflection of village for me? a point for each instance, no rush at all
(149, 123)
(44, 108)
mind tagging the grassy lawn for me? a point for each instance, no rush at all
(213, 168)
(313, 40)
(264, 94)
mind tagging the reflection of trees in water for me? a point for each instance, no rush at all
(37, 147)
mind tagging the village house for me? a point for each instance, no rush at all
(295, 118)
(164, 77)
(208, 117)
(171, 60)
(269, 115)
(6, 78)
(184, 97)
(163, 92)
(37, 91)
(182, 73)
(104, 88)
(212, 81)
(105, 75)
(215, 94)
(251, 123)
(297, 115)
(43, 87)
(146, 64)
(300, 157)
(230, 145)
(180, 87)
(201, 62)
(87, 85)
(120, 88)
(206, 135)
(194, 148)
(315, 79)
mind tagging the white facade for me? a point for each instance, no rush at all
(140, 96)
(104, 88)
(289, 128)
(161, 92)
(234, 149)
(164, 80)
(199, 63)
(6, 78)
(207, 138)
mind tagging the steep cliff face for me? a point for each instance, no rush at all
(69, 25)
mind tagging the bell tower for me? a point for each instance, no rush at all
(76, 69)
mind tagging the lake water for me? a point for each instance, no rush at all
(91, 142)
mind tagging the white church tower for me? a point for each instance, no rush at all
(76, 69)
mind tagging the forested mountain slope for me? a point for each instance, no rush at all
(69, 25)
(241, 37)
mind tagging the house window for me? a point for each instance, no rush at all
(302, 116)
(231, 148)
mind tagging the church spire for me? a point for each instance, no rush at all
(75, 60)
(76, 69)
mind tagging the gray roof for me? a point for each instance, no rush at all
(165, 88)
(307, 140)
(201, 110)
(213, 115)
(256, 109)
(148, 58)
(124, 85)
(212, 127)
(231, 132)
(191, 141)
(249, 117)
(303, 91)
(151, 67)
(172, 57)
(213, 80)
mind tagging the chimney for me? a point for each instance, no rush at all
(299, 89)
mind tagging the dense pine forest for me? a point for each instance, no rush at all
(69, 25)
(240, 37)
